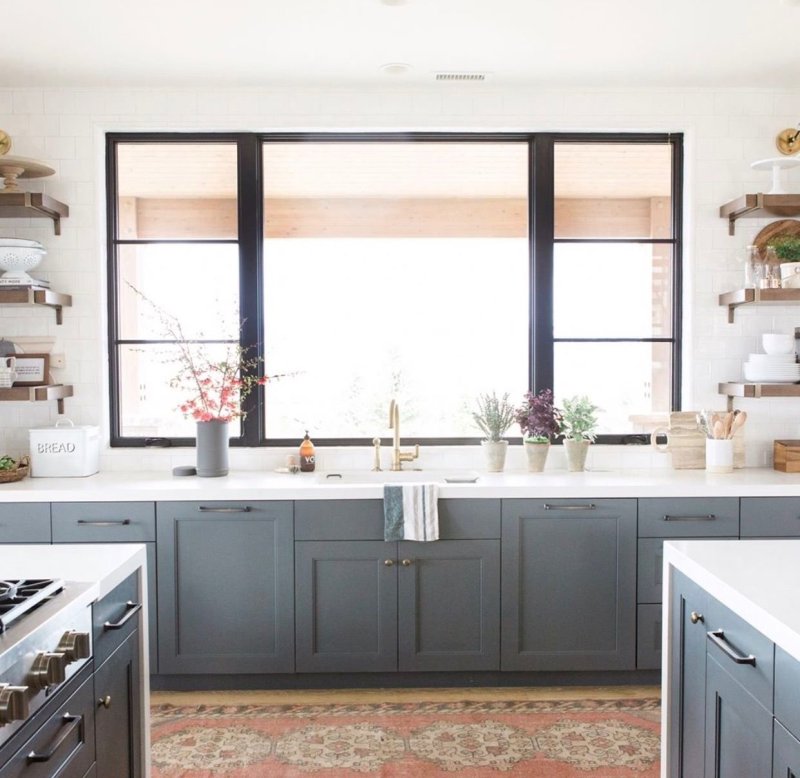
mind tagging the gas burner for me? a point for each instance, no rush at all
(18, 597)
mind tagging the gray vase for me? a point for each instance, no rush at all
(576, 454)
(212, 448)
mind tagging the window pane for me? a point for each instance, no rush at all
(176, 191)
(613, 190)
(148, 404)
(198, 285)
(612, 290)
(630, 382)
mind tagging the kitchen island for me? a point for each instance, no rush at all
(731, 647)
(96, 716)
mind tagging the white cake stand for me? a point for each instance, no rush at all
(777, 165)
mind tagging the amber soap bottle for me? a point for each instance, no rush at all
(306, 455)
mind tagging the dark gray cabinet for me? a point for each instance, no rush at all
(785, 753)
(688, 615)
(770, 517)
(225, 587)
(569, 585)
(115, 522)
(25, 522)
(366, 605)
(738, 728)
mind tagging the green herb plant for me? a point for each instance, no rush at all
(494, 415)
(787, 248)
(579, 419)
(7, 463)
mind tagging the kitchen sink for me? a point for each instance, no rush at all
(396, 477)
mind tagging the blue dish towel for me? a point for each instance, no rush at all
(411, 512)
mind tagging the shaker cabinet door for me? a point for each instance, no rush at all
(225, 587)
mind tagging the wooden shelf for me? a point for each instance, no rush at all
(741, 389)
(34, 295)
(756, 206)
(55, 392)
(28, 205)
(757, 296)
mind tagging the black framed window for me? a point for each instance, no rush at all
(427, 266)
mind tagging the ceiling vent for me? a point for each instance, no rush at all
(456, 76)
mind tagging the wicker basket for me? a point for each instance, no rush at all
(16, 474)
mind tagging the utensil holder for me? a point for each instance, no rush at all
(719, 456)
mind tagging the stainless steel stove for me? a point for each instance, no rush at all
(45, 638)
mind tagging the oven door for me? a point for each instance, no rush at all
(61, 740)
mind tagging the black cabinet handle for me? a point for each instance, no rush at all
(717, 637)
(131, 608)
(105, 523)
(587, 507)
(209, 509)
(74, 722)
(707, 517)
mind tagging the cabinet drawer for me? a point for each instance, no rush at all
(566, 508)
(104, 522)
(363, 519)
(648, 637)
(764, 517)
(787, 683)
(67, 736)
(115, 618)
(25, 522)
(740, 639)
(689, 517)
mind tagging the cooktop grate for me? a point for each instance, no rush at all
(19, 597)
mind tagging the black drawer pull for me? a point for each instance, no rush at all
(209, 509)
(131, 608)
(707, 517)
(74, 722)
(105, 523)
(588, 507)
(717, 637)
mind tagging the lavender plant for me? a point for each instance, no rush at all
(538, 418)
(494, 415)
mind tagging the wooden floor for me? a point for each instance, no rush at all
(310, 697)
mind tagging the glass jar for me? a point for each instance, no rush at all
(772, 269)
(753, 268)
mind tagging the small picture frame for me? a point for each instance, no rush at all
(32, 369)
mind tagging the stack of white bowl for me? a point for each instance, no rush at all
(17, 256)
(778, 365)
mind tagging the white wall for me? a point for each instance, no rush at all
(725, 130)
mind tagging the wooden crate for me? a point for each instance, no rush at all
(786, 456)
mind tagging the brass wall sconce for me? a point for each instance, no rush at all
(788, 140)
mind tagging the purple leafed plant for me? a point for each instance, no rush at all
(538, 418)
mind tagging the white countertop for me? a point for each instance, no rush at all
(758, 579)
(131, 486)
(99, 564)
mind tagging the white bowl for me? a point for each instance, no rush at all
(771, 360)
(18, 256)
(759, 374)
(778, 342)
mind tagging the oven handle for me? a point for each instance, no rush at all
(74, 722)
(132, 609)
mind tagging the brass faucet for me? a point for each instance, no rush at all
(398, 457)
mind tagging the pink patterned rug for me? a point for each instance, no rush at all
(538, 739)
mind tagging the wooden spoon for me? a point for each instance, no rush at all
(738, 422)
(719, 430)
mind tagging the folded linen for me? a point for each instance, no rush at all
(411, 512)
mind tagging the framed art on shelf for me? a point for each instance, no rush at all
(32, 369)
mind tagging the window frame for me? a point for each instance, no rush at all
(541, 239)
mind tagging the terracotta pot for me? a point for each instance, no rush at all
(495, 453)
(537, 455)
(576, 454)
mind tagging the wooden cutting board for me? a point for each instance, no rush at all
(784, 228)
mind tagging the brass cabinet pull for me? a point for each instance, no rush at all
(707, 517)
(717, 637)
(105, 701)
(388, 562)
(695, 617)
(406, 563)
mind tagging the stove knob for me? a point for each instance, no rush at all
(49, 669)
(75, 646)
(13, 703)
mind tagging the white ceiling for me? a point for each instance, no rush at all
(552, 43)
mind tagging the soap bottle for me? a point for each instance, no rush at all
(306, 455)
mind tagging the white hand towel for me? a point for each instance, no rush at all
(411, 512)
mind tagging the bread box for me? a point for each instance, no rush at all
(65, 450)
(786, 456)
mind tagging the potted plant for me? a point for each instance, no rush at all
(787, 249)
(540, 422)
(579, 428)
(493, 417)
